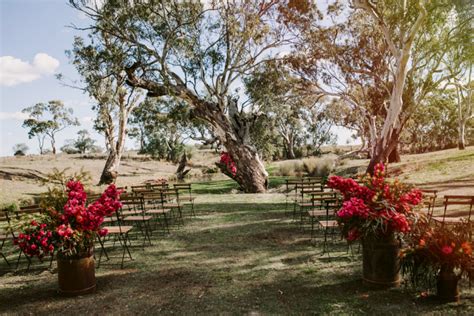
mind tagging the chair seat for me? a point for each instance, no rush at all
(171, 205)
(449, 220)
(118, 229)
(317, 213)
(328, 223)
(127, 213)
(160, 211)
(137, 218)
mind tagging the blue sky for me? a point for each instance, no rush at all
(29, 28)
(33, 39)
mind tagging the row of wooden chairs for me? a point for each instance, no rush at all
(312, 199)
(145, 208)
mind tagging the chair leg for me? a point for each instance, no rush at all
(5, 258)
(166, 223)
(52, 258)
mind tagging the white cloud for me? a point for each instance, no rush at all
(14, 71)
(4, 116)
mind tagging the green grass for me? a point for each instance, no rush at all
(242, 254)
(226, 186)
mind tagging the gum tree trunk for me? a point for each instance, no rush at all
(110, 173)
(462, 136)
(232, 130)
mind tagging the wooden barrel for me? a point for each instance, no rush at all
(381, 262)
(76, 276)
(447, 289)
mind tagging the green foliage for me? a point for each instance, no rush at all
(161, 127)
(293, 119)
(433, 126)
(82, 145)
(20, 149)
(47, 119)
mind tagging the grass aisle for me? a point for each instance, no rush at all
(240, 255)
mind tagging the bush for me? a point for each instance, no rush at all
(291, 168)
(20, 149)
(318, 167)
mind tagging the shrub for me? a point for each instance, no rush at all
(291, 168)
(318, 167)
(20, 149)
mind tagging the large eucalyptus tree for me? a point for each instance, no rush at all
(193, 51)
(381, 59)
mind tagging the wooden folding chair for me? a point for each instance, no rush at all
(319, 201)
(133, 212)
(456, 200)
(171, 200)
(160, 186)
(429, 200)
(302, 200)
(153, 203)
(4, 233)
(329, 224)
(119, 232)
(188, 198)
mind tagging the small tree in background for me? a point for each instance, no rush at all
(83, 144)
(20, 149)
(46, 120)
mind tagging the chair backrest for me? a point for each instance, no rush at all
(159, 186)
(4, 222)
(141, 187)
(429, 200)
(458, 200)
(170, 194)
(33, 209)
(183, 187)
(152, 199)
(123, 189)
(132, 202)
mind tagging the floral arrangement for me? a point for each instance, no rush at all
(431, 249)
(227, 160)
(70, 230)
(376, 207)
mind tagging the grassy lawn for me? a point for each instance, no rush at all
(242, 254)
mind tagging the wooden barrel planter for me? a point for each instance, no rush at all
(447, 289)
(381, 262)
(76, 276)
